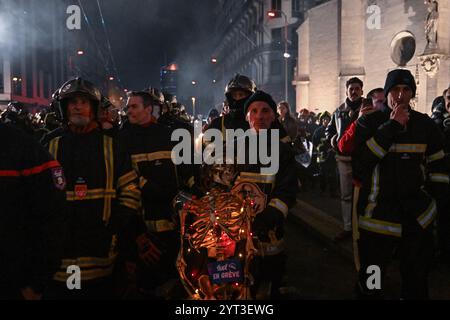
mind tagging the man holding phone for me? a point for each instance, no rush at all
(375, 101)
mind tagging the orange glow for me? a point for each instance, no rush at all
(173, 67)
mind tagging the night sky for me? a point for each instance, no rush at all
(146, 34)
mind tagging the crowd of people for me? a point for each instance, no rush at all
(87, 184)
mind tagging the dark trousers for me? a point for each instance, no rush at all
(443, 232)
(415, 251)
(269, 269)
(328, 176)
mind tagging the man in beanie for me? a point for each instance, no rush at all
(399, 160)
(341, 119)
(273, 193)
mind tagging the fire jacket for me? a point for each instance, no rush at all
(102, 197)
(32, 215)
(402, 171)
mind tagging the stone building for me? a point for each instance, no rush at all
(346, 38)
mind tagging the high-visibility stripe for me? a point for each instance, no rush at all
(256, 177)
(134, 194)
(375, 148)
(280, 205)
(86, 274)
(428, 216)
(380, 226)
(53, 147)
(130, 203)
(271, 248)
(126, 178)
(88, 262)
(91, 194)
(436, 156)
(439, 177)
(142, 182)
(374, 191)
(190, 182)
(408, 148)
(30, 171)
(160, 155)
(160, 225)
(109, 171)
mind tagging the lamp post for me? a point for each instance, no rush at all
(286, 55)
(193, 107)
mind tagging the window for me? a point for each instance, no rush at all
(298, 5)
(276, 5)
(276, 35)
(275, 67)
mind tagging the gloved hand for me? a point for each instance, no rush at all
(148, 251)
(269, 219)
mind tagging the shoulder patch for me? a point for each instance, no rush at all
(59, 180)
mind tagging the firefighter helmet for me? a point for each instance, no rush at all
(239, 82)
(74, 87)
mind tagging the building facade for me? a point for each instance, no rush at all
(252, 43)
(347, 38)
(39, 52)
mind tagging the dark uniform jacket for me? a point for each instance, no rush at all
(150, 150)
(403, 172)
(102, 196)
(274, 193)
(32, 213)
(341, 119)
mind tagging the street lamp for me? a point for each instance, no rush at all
(286, 55)
(193, 106)
(194, 82)
(213, 60)
(80, 52)
(111, 78)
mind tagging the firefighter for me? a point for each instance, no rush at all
(238, 90)
(102, 196)
(399, 159)
(149, 145)
(32, 215)
(273, 195)
(325, 159)
(108, 117)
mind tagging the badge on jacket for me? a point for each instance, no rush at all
(59, 180)
(81, 189)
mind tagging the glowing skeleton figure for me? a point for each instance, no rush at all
(215, 228)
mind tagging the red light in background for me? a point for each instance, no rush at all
(173, 67)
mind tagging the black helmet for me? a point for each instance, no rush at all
(157, 96)
(105, 103)
(213, 113)
(16, 107)
(74, 87)
(239, 82)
